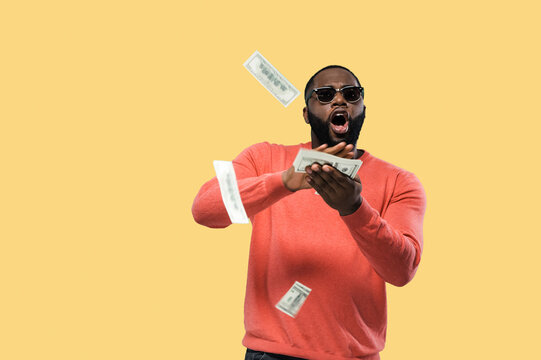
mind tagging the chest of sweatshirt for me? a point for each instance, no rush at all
(301, 237)
(378, 178)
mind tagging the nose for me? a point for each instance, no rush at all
(338, 99)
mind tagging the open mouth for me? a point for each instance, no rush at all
(340, 123)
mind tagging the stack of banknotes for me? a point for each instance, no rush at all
(307, 157)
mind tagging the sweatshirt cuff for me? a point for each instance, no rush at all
(361, 217)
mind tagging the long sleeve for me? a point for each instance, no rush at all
(258, 190)
(393, 243)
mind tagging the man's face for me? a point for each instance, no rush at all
(338, 120)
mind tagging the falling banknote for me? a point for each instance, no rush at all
(292, 301)
(307, 157)
(271, 78)
(230, 191)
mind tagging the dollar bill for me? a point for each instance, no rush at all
(230, 192)
(292, 301)
(306, 157)
(271, 78)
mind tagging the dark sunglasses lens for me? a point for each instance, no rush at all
(352, 94)
(325, 95)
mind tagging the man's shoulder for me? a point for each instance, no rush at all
(266, 147)
(375, 164)
(373, 161)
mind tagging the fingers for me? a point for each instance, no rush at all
(321, 147)
(336, 148)
(325, 179)
(342, 150)
(338, 190)
(320, 187)
(347, 152)
(334, 177)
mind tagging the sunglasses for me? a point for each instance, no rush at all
(326, 94)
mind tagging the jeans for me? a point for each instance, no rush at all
(260, 355)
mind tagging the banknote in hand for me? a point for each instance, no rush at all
(307, 157)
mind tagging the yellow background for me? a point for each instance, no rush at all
(112, 112)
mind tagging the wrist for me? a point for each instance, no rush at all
(284, 180)
(356, 205)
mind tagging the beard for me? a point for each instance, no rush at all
(322, 129)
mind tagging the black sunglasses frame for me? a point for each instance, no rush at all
(335, 91)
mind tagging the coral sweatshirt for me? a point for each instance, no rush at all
(344, 260)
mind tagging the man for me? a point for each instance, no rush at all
(343, 242)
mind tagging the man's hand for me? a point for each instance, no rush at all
(294, 181)
(338, 190)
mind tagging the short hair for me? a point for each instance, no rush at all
(310, 82)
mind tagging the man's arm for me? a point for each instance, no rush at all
(257, 190)
(393, 244)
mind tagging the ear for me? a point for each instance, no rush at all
(305, 115)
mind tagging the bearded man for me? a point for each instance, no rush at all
(342, 242)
